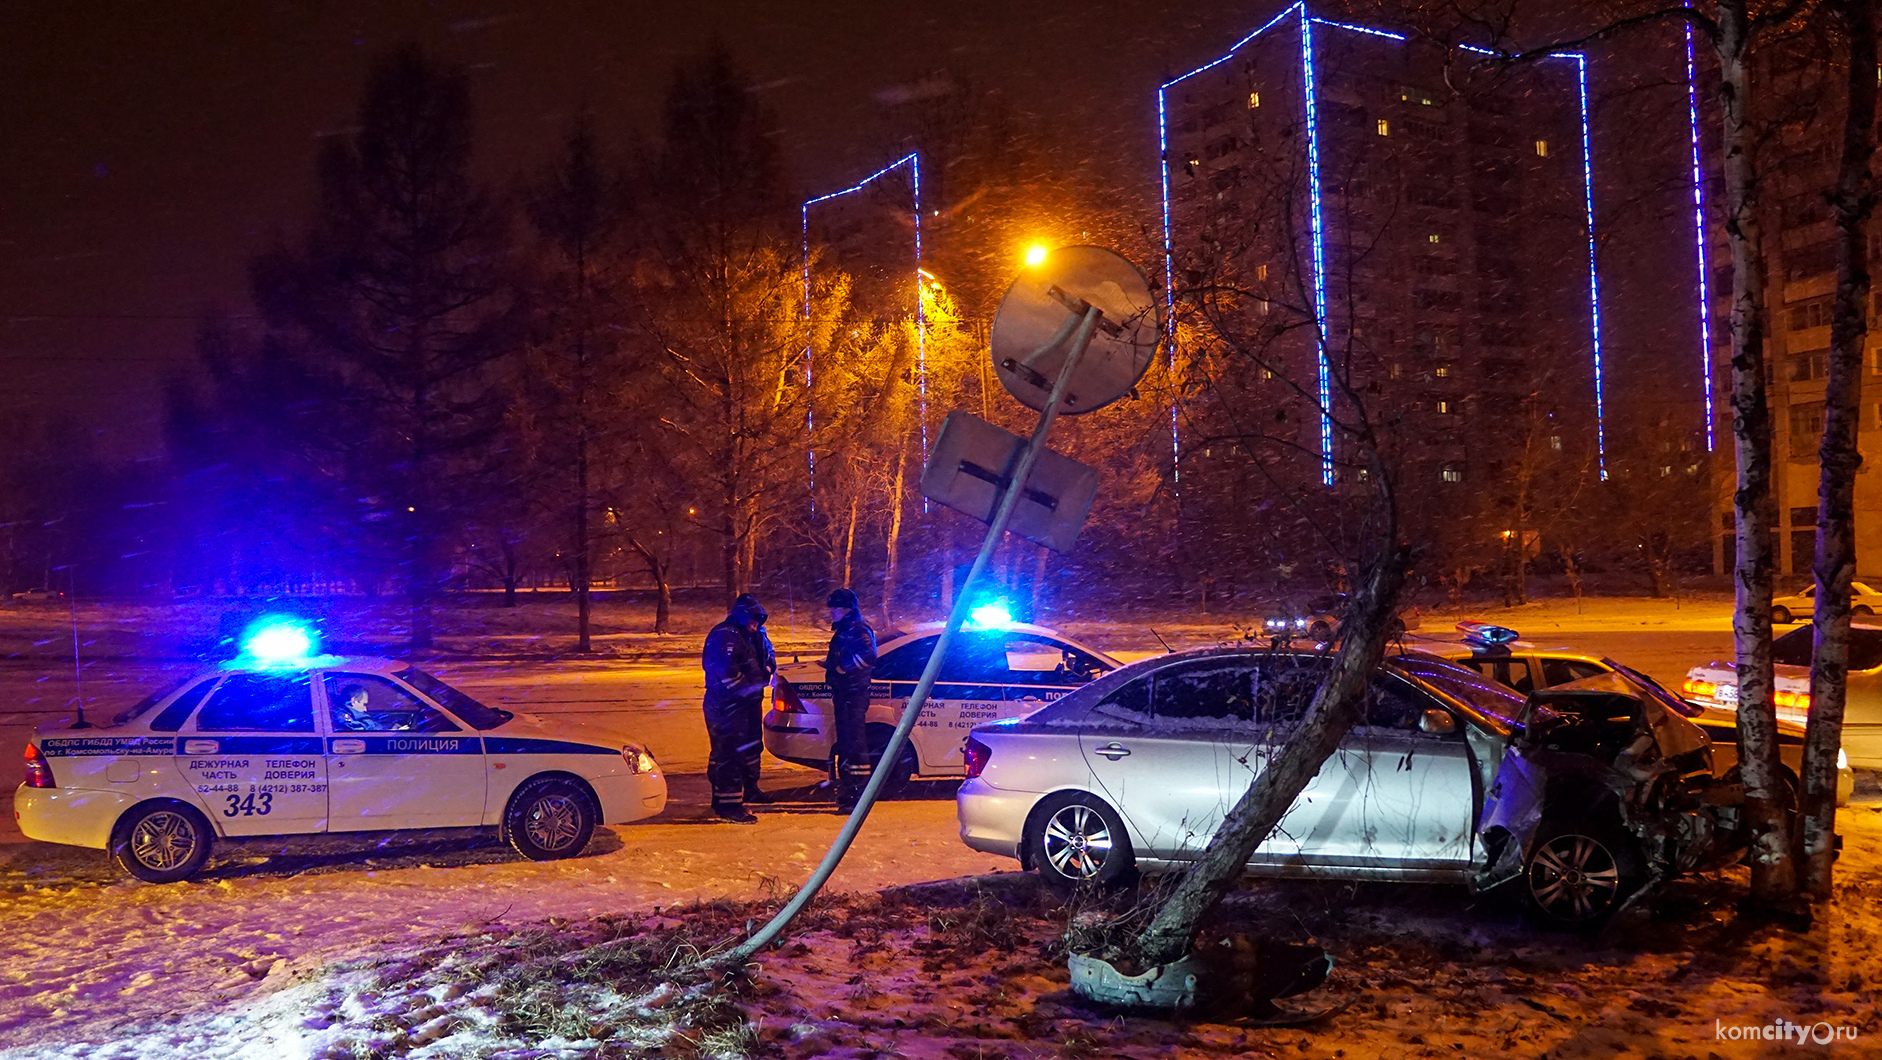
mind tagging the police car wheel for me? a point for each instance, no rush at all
(550, 819)
(161, 843)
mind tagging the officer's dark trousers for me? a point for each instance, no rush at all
(852, 746)
(737, 750)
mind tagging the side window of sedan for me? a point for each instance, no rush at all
(1392, 703)
(259, 703)
(369, 703)
(1562, 671)
(905, 663)
(1213, 689)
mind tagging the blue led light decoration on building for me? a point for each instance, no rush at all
(912, 160)
(1699, 235)
(1317, 227)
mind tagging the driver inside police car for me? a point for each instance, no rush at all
(353, 712)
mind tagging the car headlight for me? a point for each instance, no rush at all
(1842, 760)
(637, 759)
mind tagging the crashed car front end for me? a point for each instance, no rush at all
(1606, 760)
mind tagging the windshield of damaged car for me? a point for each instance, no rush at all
(1795, 648)
(475, 714)
(1490, 697)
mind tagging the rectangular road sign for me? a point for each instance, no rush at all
(972, 462)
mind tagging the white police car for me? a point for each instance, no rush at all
(996, 669)
(284, 742)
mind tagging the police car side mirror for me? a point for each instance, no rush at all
(1437, 722)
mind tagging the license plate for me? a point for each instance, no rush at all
(1726, 694)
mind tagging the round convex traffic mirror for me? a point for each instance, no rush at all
(1032, 330)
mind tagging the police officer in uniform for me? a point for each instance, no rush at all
(738, 663)
(849, 664)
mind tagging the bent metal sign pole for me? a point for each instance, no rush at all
(1106, 289)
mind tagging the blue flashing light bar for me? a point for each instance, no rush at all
(991, 615)
(1699, 236)
(277, 640)
(1323, 372)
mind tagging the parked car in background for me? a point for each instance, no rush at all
(39, 596)
(1500, 653)
(1582, 792)
(995, 669)
(1802, 607)
(1313, 620)
(1715, 684)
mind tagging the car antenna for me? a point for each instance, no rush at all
(78, 676)
(1166, 644)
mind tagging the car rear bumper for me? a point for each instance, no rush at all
(800, 738)
(74, 816)
(993, 821)
(627, 797)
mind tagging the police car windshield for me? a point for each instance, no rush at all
(475, 714)
(135, 710)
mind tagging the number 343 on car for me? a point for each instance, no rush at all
(271, 747)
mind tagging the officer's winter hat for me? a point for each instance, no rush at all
(844, 598)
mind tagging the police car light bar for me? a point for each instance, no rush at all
(1486, 633)
(990, 616)
(278, 640)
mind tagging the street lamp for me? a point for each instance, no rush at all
(1036, 255)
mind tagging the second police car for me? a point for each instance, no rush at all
(281, 741)
(996, 669)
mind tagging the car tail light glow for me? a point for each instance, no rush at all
(1702, 689)
(974, 755)
(1792, 700)
(784, 697)
(38, 771)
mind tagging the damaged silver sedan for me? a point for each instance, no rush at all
(1581, 794)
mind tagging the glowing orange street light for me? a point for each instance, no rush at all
(1035, 255)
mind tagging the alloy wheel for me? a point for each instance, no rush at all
(1574, 877)
(1077, 842)
(553, 822)
(163, 841)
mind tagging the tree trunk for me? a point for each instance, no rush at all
(1835, 565)
(849, 537)
(1337, 706)
(1773, 875)
(663, 601)
(582, 564)
(892, 570)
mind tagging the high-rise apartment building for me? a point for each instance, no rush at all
(1342, 201)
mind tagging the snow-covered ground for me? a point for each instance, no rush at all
(87, 956)
(498, 958)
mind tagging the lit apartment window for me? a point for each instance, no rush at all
(1395, 372)
(1555, 441)
(1385, 127)
(1451, 473)
(1447, 408)
(1433, 238)
(1542, 148)
(1442, 371)
(1261, 272)
(1254, 100)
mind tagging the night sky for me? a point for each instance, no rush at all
(153, 148)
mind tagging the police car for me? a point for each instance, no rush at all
(995, 669)
(281, 741)
(1498, 652)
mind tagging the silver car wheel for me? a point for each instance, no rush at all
(163, 841)
(1077, 842)
(553, 822)
(1574, 877)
